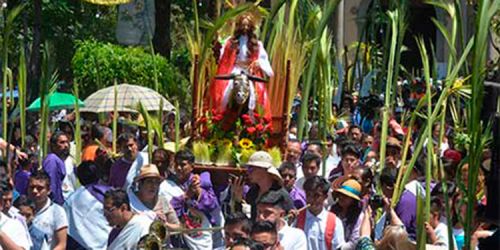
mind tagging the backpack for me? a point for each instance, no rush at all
(330, 226)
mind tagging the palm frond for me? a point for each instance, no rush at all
(78, 128)
(22, 83)
(7, 32)
(328, 11)
(482, 23)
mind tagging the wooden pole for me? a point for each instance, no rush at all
(194, 115)
(286, 100)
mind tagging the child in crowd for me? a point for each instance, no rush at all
(237, 226)
(323, 229)
(437, 231)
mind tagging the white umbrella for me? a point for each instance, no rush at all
(108, 2)
(129, 96)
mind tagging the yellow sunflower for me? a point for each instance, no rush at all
(246, 143)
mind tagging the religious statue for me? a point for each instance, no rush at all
(242, 65)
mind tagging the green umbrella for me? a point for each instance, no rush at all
(57, 101)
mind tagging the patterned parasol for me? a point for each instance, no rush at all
(107, 2)
(128, 98)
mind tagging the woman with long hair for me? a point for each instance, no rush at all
(349, 209)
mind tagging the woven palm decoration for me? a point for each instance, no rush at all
(107, 2)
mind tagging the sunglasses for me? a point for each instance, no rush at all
(250, 169)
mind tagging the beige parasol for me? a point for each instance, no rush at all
(107, 2)
(128, 97)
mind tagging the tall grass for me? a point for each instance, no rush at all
(405, 171)
(397, 28)
(311, 70)
(486, 10)
(453, 85)
(284, 44)
(78, 127)
(22, 83)
(421, 234)
(155, 71)
(177, 126)
(6, 34)
(115, 116)
(149, 133)
(326, 75)
(48, 87)
(159, 126)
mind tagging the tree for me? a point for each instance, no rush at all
(162, 41)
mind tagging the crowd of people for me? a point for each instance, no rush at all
(322, 196)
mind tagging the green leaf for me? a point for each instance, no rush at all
(328, 12)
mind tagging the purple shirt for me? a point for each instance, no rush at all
(406, 209)
(118, 172)
(98, 191)
(336, 173)
(22, 179)
(207, 202)
(55, 168)
(298, 197)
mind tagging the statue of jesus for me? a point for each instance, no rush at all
(242, 52)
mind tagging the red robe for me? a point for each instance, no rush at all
(225, 67)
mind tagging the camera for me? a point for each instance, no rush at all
(376, 201)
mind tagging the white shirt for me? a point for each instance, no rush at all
(300, 178)
(141, 160)
(69, 182)
(292, 238)
(332, 162)
(300, 173)
(50, 219)
(315, 227)
(442, 235)
(15, 231)
(14, 214)
(352, 237)
(129, 236)
(87, 224)
(299, 183)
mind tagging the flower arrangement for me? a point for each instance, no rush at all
(231, 138)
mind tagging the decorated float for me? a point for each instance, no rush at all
(235, 115)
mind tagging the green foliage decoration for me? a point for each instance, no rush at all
(95, 65)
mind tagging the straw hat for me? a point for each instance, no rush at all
(262, 159)
(148, 171)
(170, 146)
(338, 181)
(394, 142)
(350, 188)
